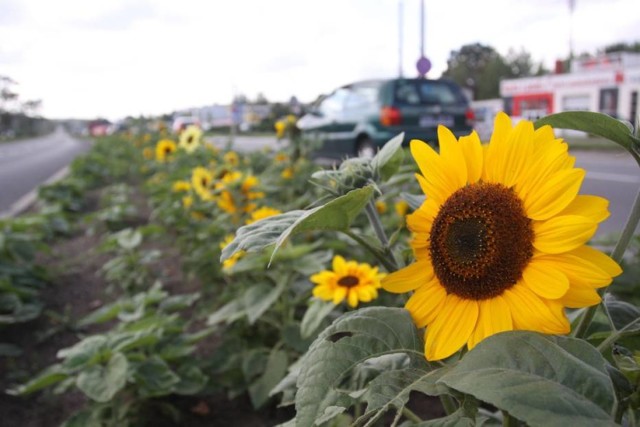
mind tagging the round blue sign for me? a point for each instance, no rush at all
(423, 65)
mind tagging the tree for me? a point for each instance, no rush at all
(622, 47)
(480, 68)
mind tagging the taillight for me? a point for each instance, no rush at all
(390, 116)
(470, 117)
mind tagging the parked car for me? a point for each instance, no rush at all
(357, 119)
(182, 122)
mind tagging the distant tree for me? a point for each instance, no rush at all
(622, 47)
(477, 67)
(261, 99)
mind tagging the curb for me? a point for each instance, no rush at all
(24, 202)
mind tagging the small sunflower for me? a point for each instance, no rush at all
(401, 207)
(262, 213)
(280, 126)
(231, 158)
(190, 138)
(201, 180)
(351, 280)
(148, 153)
(281, 158)
(500, 240)
(381, 206)
(181, 186)
(287, 173)
(164, 149)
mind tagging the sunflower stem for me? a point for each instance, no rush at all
(410, 415)
(374, 219)
(508, 420)
(448, 404)
(616, 255)
(388, 263)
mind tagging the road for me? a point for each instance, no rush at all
(26, 164)
(610, 174)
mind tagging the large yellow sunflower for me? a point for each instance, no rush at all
(500, 240)
(164, 149)
(190, 138)
(348, 279)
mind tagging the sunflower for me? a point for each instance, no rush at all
(181, 186)
(231, 158)
(401, 207)
(381, 206)
(190, 138)
(201, 180)
(349, 279)
(500, 240)
(287, 173)
(262, 213)
(164, 149)
(147, 153)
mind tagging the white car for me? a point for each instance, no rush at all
(180, 123)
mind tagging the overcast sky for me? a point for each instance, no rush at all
(129, 57)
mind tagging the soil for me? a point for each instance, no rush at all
(76, 289)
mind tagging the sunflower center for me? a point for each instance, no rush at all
(204, 182)
(189, 139)
(481, 241)
(348, 281)
(167, 150)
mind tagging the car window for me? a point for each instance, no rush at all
(425, 92)
(361, 97)
(333, 103)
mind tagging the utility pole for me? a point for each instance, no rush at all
(400, 13)
(423, 65)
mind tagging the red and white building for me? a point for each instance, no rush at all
(608, 84)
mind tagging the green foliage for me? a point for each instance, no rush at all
(147, 353)
(538, 379)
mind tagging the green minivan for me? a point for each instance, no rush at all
(357, 119)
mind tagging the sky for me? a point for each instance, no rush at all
(88, 59)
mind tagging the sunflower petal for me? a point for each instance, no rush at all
(473, 154)
(425, 303)
(339, 294)
(494, 316)
(593, 207)
(408, 278)
(531, 313)
(440, 176)
(554, 195)
(452, 327)
(598, 258)
(550, 283)
(352, 297)
(452, 155)
(579, 296)
(562, 233)
(339, 265)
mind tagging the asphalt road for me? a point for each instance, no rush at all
(610, 174)
(26, 164)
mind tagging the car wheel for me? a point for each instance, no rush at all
(366, 149)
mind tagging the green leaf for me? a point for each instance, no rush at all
(414, 200)
(101, 383)
(392, 389)
(541, 380)
(275, 370)
(465, 416)
(178, 302)
(314, 316)
(387, 161)
(192, 380)
(258, 298)
(87, 351)
(101, 315)
(227, 313)
(353, 338)
(155, 377)
(52, 375)
(336, 215)
(594, 123)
